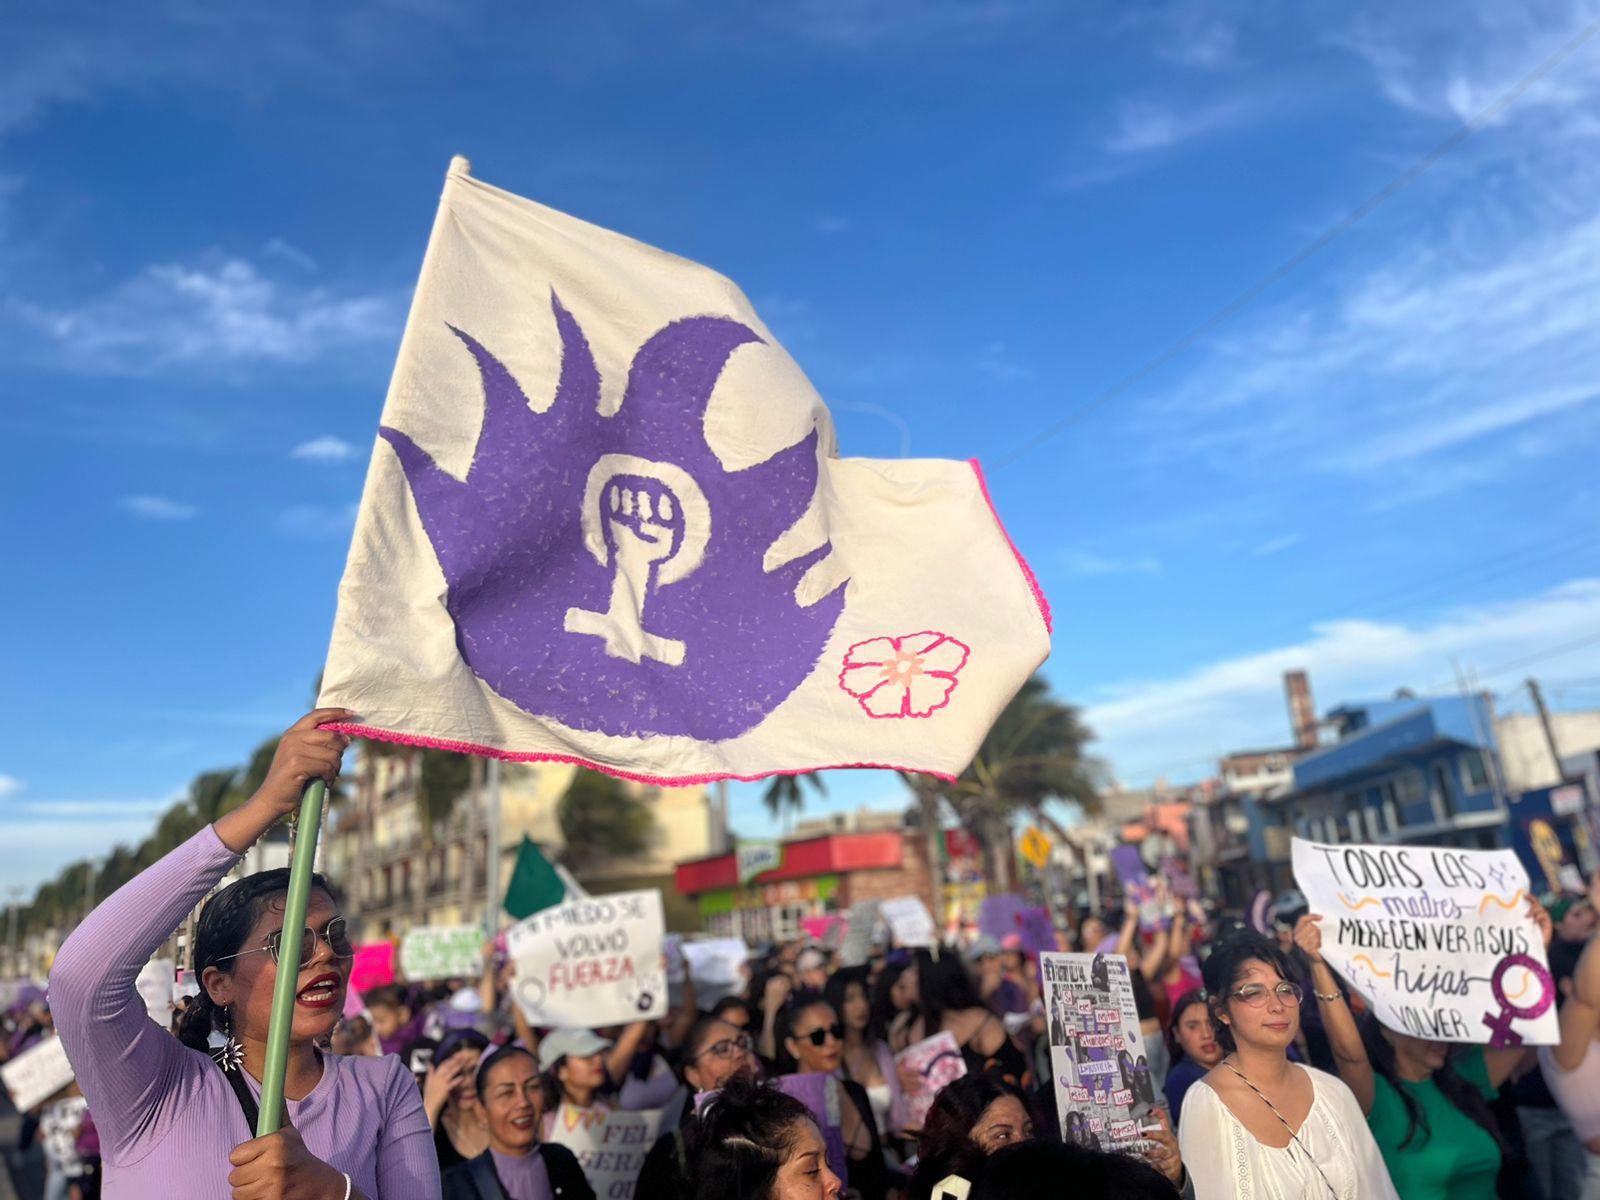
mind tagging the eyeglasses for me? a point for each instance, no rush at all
(821, 1034)
(728, 1047)
(1255, 994)
(336, 935)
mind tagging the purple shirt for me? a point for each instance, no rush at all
(167, 1118)
(525, 1178)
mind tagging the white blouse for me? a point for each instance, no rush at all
(1227, 1163)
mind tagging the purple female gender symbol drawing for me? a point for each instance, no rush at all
(605, 570)
(1500, 1031)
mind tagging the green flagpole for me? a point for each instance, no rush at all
(307, 825)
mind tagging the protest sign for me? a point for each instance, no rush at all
(1001, 914)
(1101, 1073)
(717, 960)
(36, 1074)
(820, 929)
(608, 523)
(1437, 940)
(188, 984)
(909, 921)
(861, 930)
(936, 1061)
(442, 952)
(156, 987)
(609, 1144)
(591, 962)
(1137, 884)
(821, 1094)
(373, 966)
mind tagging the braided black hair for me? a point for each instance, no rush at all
(225, 922)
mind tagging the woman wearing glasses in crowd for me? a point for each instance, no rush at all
(1428, 1110)
(171, 1121)
(715, 1051)
(1259, 1125)
(810, 1032)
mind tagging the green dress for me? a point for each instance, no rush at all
(1455, 1159)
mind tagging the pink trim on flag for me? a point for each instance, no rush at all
(1027, 571)
(409, 739)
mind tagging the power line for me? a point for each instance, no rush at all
(1540, 656)
(1245, 298)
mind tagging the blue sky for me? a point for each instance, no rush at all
(963, 219)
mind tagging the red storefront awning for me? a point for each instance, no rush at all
(827, 855)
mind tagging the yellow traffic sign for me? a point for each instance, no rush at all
(1036, 848)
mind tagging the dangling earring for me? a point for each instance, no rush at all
(230, 1055)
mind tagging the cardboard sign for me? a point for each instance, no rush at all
(156, 987)
(591, 962)
(1437, 940)
(936, 1061)
(1136, 882)
(442, 952)
(609, 1144)
(1101, 1072)
(860, 933)
(36, 1074)
(823, 1096)
(372, 967)
(910, 921)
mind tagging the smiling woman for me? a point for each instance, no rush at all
(165, 1110)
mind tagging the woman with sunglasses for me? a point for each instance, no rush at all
(714, 1052)
(866, 1058)
(810, 1033)
(173, 1121)
(1259, 1125)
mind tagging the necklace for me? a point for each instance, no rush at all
(1293, 1136)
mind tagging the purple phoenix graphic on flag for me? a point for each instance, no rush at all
(606, 572)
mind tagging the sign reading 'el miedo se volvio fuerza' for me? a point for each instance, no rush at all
(606, 522)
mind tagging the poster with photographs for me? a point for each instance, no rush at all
(1102, 1075)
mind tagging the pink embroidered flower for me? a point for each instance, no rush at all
(909, 676)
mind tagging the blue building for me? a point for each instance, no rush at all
(1407, 770)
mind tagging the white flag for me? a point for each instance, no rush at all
(606, 522)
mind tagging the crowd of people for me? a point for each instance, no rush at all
(1265, 1076)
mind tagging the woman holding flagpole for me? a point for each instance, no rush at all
(174, 1120)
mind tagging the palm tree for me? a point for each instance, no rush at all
(786, 796)
(1032, 755)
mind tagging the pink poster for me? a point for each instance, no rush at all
(936, 1062)
(373, 966)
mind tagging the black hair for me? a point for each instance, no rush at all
(1222, 970)
(728, 1002)
(742, 1140)
(783, 1026)
(945, 1145)
(481, 1079)
(1185, 1002)
(224, 923)
(883, 1010)
(1563, 957)
(1038, 1169)
(1466, 1098)
(838, 986)
(390, 994)
(943, 985)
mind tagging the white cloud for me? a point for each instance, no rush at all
(10, 785)
(324, 449)
(1145, 126)
(156, 508)
(1236, 702)
(208, 317)
(317, 521)
(1277, 545)
(1090, 565)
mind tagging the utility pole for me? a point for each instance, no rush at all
(491, 866)
(1544, 723)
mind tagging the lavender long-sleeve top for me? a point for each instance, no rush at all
(167, 1118)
